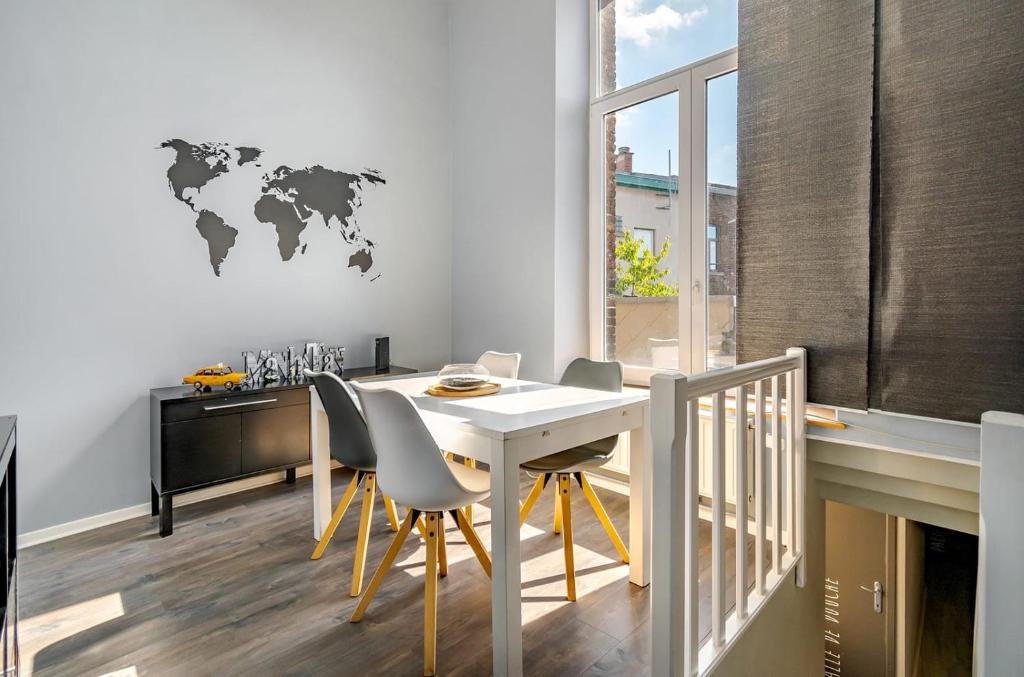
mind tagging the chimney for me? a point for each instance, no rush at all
(624, 160)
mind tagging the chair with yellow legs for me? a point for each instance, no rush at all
(564, 466)
(413, 470)
(350, 446)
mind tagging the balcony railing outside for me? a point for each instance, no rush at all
(675, 411)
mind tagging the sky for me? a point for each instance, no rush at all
(655, 36)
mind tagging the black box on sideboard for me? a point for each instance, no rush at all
(382, 351)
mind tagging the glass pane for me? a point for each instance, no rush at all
(641, 208)
(721, 211)
(640, 39)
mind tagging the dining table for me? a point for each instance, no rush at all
(524, 420)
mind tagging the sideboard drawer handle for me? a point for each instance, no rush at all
(546, 433)
(240, 404)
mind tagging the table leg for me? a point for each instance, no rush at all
(641, 481)
(506, 599)
(321, 453)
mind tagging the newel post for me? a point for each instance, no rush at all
(673, 575)
(998, 649)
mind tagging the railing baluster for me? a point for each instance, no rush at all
(741, 502)
(800, 459)
(791, 415)
(777, 474)
(761, 465)
(692, 561)
(718, 520)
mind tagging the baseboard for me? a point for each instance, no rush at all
(78, 526)
(48, 534)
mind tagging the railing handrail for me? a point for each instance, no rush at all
(711, 382)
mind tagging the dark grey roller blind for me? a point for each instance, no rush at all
(804, 203)
(949, 269)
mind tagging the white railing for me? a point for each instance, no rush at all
(779, 475)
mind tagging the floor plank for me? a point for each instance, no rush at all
(233, 592)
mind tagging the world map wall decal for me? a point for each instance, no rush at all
(288, 199)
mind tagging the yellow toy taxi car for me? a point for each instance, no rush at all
(215, 375)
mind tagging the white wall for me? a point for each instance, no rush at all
(105, 286)
(519, 129)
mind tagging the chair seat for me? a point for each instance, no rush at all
(475, 485)
(472, 480)
(591, 455)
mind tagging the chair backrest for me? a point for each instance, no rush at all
(410, 466)
(664, 353)
(584, 373)
(502, 365)
(350, 440)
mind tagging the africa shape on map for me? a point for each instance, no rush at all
(288, 199)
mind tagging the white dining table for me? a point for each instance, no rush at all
(523, 421)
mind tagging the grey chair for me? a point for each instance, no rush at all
(572, 463)
(412, 469)
(351, 446)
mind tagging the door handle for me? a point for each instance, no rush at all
(877, 593)
(240, 404)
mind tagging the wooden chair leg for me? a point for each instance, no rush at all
(570, 567)
(469, 463)
(602, 515)
(363, 539)
(531, 498)
(558, 507)
(385, 565)
(339, 512)
(430, 597)
(442, 550)
(473, 540)
(389, 507)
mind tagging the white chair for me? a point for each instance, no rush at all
(502, 365)
(664, 353)
(412, 470)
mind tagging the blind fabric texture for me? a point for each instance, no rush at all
(949, 255)
(889, 242)
(804, 198)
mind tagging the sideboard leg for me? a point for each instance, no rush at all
(154, 499)
(289, 476)
(166, 524)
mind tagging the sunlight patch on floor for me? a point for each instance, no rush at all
(129, 671)
(43, 630)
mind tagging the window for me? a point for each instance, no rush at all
(663, 181)
(646, 238)
(642, 39)
(712, 247)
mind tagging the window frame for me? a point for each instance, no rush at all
(653, 232)
(689, 82)
(713, 261)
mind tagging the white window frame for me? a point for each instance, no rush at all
(715, 228)
(653, 236)
(690, 84)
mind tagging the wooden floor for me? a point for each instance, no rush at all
(233, 592)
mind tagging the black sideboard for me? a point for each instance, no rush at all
(9, 546)
(201, 439)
